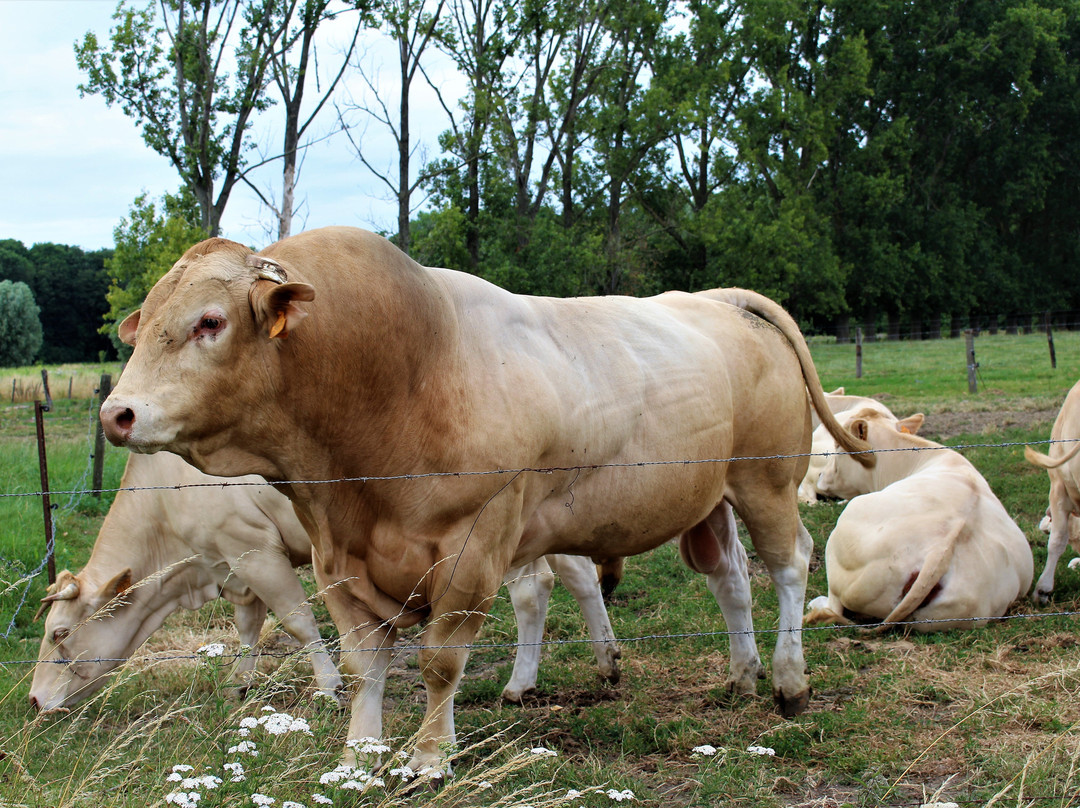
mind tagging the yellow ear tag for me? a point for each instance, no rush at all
(905, 430)
(279, 326)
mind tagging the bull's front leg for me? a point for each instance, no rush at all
(1059, 516)
(578, 574)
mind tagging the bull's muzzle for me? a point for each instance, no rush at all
(117, 422)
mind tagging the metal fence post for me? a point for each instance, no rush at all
(969, 338)
(104, 388)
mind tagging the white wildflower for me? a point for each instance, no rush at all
(237, 772)
(185, 799)
(484, 785)
(175, 777)
(541, 751)
(761, 750)
(249, 723)
(183, 767)
(189, 783)
(354, 785)
(291, 804)
(404, 772)
(368, 746)
(322, 799)
(262, 799)
(939, 805)
(573, 794)
(342, 772)
(244, 748)
(704, 749)
(619, 796)
(268, 709)
(214, 649)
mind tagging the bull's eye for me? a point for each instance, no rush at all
(60, 635)
(209, 326)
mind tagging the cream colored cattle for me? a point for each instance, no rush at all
(185, 540)
(470, 430)
(162, 549)
(923, 538)
(1063, 467)
(823, 443)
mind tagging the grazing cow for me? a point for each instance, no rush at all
(166, 548)
(822, 443)
(163, 550)
(467, 430)
(1063, 467)
(923, 538)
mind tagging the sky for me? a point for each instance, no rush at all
(72, 166)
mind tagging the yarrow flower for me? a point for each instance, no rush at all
(404, 772)
(761, 750)
(291, 804)
(704, 749)
(573, 794)
(185, 799)
(183, 767)
(342, 772)
(262, 799)
(214, 649)
(541, 751)
(282, 723)
(322, 799)
(244, 748)
(237, 772)
(619, 796)
(368, 746)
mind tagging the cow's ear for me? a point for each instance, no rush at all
(911, 424)
(117, 586)
(860, 429)
(128, 328)
(275, 305)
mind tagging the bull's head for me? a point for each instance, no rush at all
(206, 342)
(843, 476)
(89, 631)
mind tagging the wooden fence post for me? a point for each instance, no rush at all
(858, 352)
(46, 504)
(969, 338)
(104, 388)
(45, 387)
(1050, 340)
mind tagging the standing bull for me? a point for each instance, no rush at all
(465, 430)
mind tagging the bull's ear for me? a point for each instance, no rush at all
(275, 305)
(911, 424)
(860, 429)
(117, 586)
(128, 328)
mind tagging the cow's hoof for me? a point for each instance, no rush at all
(1040, 598)
(515, 695)
(791, 706)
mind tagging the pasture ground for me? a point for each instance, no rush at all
(983, 717)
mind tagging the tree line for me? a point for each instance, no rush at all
(894, 164)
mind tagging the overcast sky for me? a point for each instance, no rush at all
(72, 166)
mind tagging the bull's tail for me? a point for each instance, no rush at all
(774, 313)
(1045, 461)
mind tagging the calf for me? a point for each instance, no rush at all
(1063, 467)
(923, 538)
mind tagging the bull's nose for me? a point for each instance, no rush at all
(117, 421)
(34, 703)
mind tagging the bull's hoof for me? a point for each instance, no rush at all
(1040, 598)
(514, 695)
(791, 706)
(612, 676)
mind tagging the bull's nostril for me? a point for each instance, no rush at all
(125, 419)
(35, 703)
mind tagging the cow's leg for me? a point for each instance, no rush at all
(272, 578)
(578, 575)
(730, 584)
(785, 546)
(530, 587)
(249, 622)
(1060, 509)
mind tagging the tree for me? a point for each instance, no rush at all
(148, 242)
(69, 287)
(300, 24)
(20, 325)
(171, 78)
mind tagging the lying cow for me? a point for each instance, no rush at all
(168, 548)
(469, 430)
(923, 538)
(823, 444)
(1063, 467)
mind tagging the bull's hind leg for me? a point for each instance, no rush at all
(729, 581)
(530, 588)
(1060, 509)
(785, 546)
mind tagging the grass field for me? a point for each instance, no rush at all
(974, 718)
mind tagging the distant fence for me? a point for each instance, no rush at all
(885, 328)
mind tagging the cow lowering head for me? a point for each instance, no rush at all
(89, 631)
(206, 342)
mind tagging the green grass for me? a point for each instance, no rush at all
(893, 718)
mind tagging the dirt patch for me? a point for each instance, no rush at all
(941, 426)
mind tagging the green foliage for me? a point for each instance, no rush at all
(148, 242)
(20, 325)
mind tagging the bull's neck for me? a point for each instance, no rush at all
(907, 455)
